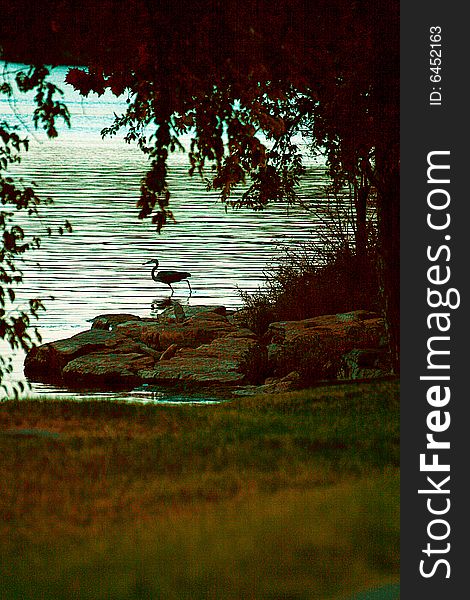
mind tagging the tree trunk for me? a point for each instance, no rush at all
(361, 195)
(388, 200)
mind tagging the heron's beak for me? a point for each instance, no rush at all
(148, 262)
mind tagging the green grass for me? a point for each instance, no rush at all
(288, 496)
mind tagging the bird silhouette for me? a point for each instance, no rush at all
(169, 277)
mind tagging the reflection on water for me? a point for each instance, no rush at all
(138, 396)
(98, 268)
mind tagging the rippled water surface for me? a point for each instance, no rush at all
(98, 267)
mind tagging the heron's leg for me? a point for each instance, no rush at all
(190, 290)
(172, 290)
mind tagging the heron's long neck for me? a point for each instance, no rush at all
(154, 273)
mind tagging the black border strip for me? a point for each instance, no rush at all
(433, 124)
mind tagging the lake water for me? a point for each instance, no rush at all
(98, 267)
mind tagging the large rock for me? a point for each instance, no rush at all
(364, 364)
(199, 329)
(47, 362)
(364, 326)
(106, 369)
(110, 321)
(272, 385)
(226, 360)
(314, 347)
(169, 315)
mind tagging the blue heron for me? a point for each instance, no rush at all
(169, 277)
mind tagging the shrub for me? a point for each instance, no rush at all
(313, 280)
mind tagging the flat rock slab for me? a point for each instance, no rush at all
(169, 316)
(48, 360)
(196, 370)
(364, 364)
(109, 369)
(359, 326)
(227, 360)
(315, 347)
(111, 320)
(194, 331)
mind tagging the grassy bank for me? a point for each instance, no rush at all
(289, 496)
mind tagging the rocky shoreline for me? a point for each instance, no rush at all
(211, 347)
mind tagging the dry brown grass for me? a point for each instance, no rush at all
(294, 496)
